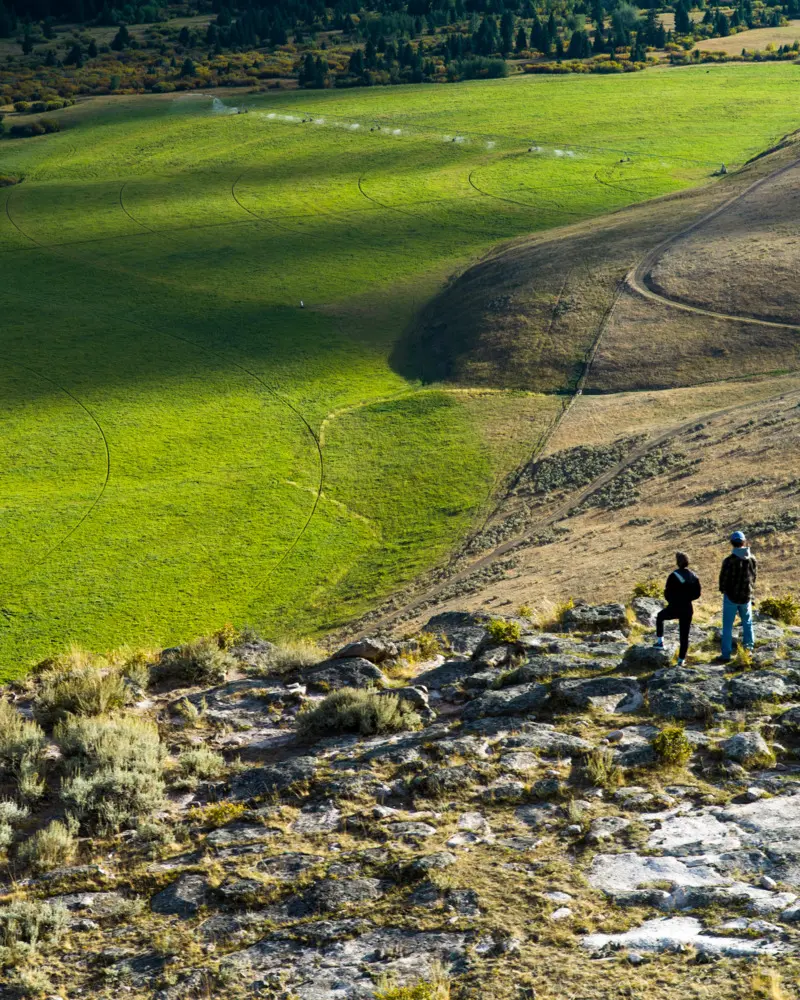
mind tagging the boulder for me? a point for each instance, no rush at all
(646, 657)
(790, 720)
(354, 672)
(611, 694)
(183, 897)
(509, 701)
(538, 815)
(319, 817)
(760, 685)
(374, 650)
(287, 867)
(255, 653)
(408, 830)
(606, 828)
(680, 702)
(463, 631)
(547, 740)
(448, 673)
(522, 762)
(749, 749)
(331, 894)
(646, 609)
(259, 781)
(421, 867)
(240, 833)
(597, 618)
(504, 790)
(441, 781)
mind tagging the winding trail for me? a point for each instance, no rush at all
(638, 279)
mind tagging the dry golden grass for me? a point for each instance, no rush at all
(755, 40)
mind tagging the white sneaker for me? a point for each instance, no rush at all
(658, 644)
(681, 662)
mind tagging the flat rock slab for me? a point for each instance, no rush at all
(463, 631)
(354, 672)
(321, 817)
(510, 701)
(625, 872)
(610, 694)
(349, 968)
(676, 933)
(240, 833)
(183, 897)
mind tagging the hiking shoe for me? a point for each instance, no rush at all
(681, 662)
(658, 644)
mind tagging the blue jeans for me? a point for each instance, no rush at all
(729, 612)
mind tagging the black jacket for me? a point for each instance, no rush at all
(737, 578)
(682, 588)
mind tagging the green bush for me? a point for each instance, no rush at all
(672, 747)
(87, 691)
(198, 662)
(113, 770)
(48, 848)
(502, 631)
(784, 609)
(648, 588)
(202, 763)
(352, 710)
(6, 836)
(32, 922)
(11, 812)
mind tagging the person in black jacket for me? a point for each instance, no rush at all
(682, 588)
(737, 581)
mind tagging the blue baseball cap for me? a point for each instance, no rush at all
(737, 537)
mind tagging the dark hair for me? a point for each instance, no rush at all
(682, 560)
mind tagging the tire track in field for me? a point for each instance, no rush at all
(138, 222)
(253, 375)
(524, 204)
(106, 476)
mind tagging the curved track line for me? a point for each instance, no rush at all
(138, 222)
(107, 474)
(615, 187)
(638, 278)
(261, 218)
(18, 228)
(514, 201)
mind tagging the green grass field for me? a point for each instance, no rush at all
(182, 444)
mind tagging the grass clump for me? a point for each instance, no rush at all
(601, 770)
(647, 588)
(767, 984)
(201, 661)
(503, 631)
(286, 657)
(428, 645)
(113, 770)
(86, 691)
(21, 746)
(672, 747)
(352, 710)
(217, 814)
(50, 847)
(784, 609)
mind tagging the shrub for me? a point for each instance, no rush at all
(7, 180)
(197, 662)
(202, 763)
(226, 637)
(217, 814)
(502, 631)
(784, 609)
(113, 770)
(30, 783)
(135, 667)
(31, 922)
(422, 991)
(19, 738)
(648, 588)
(88, 691)
(11, 812)
(286, 657)
(48, 848)
(352, 710)
(672, 747)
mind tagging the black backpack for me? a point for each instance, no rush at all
(690, 584)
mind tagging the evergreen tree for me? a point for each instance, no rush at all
(307, 72)
(188, 68)
(722, 25)
(27, 44)
(7, 22)
(211, 35)
(50, 58)
(74, 57)
(522, 41)
(579, 45)
(506, 32)
(356, 66)
(92, 50)
(683, 23)
(371, 55)
(121, 40)
(184, 37)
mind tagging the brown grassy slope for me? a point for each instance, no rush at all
(526, 316)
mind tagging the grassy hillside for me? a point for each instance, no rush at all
(184, 443)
